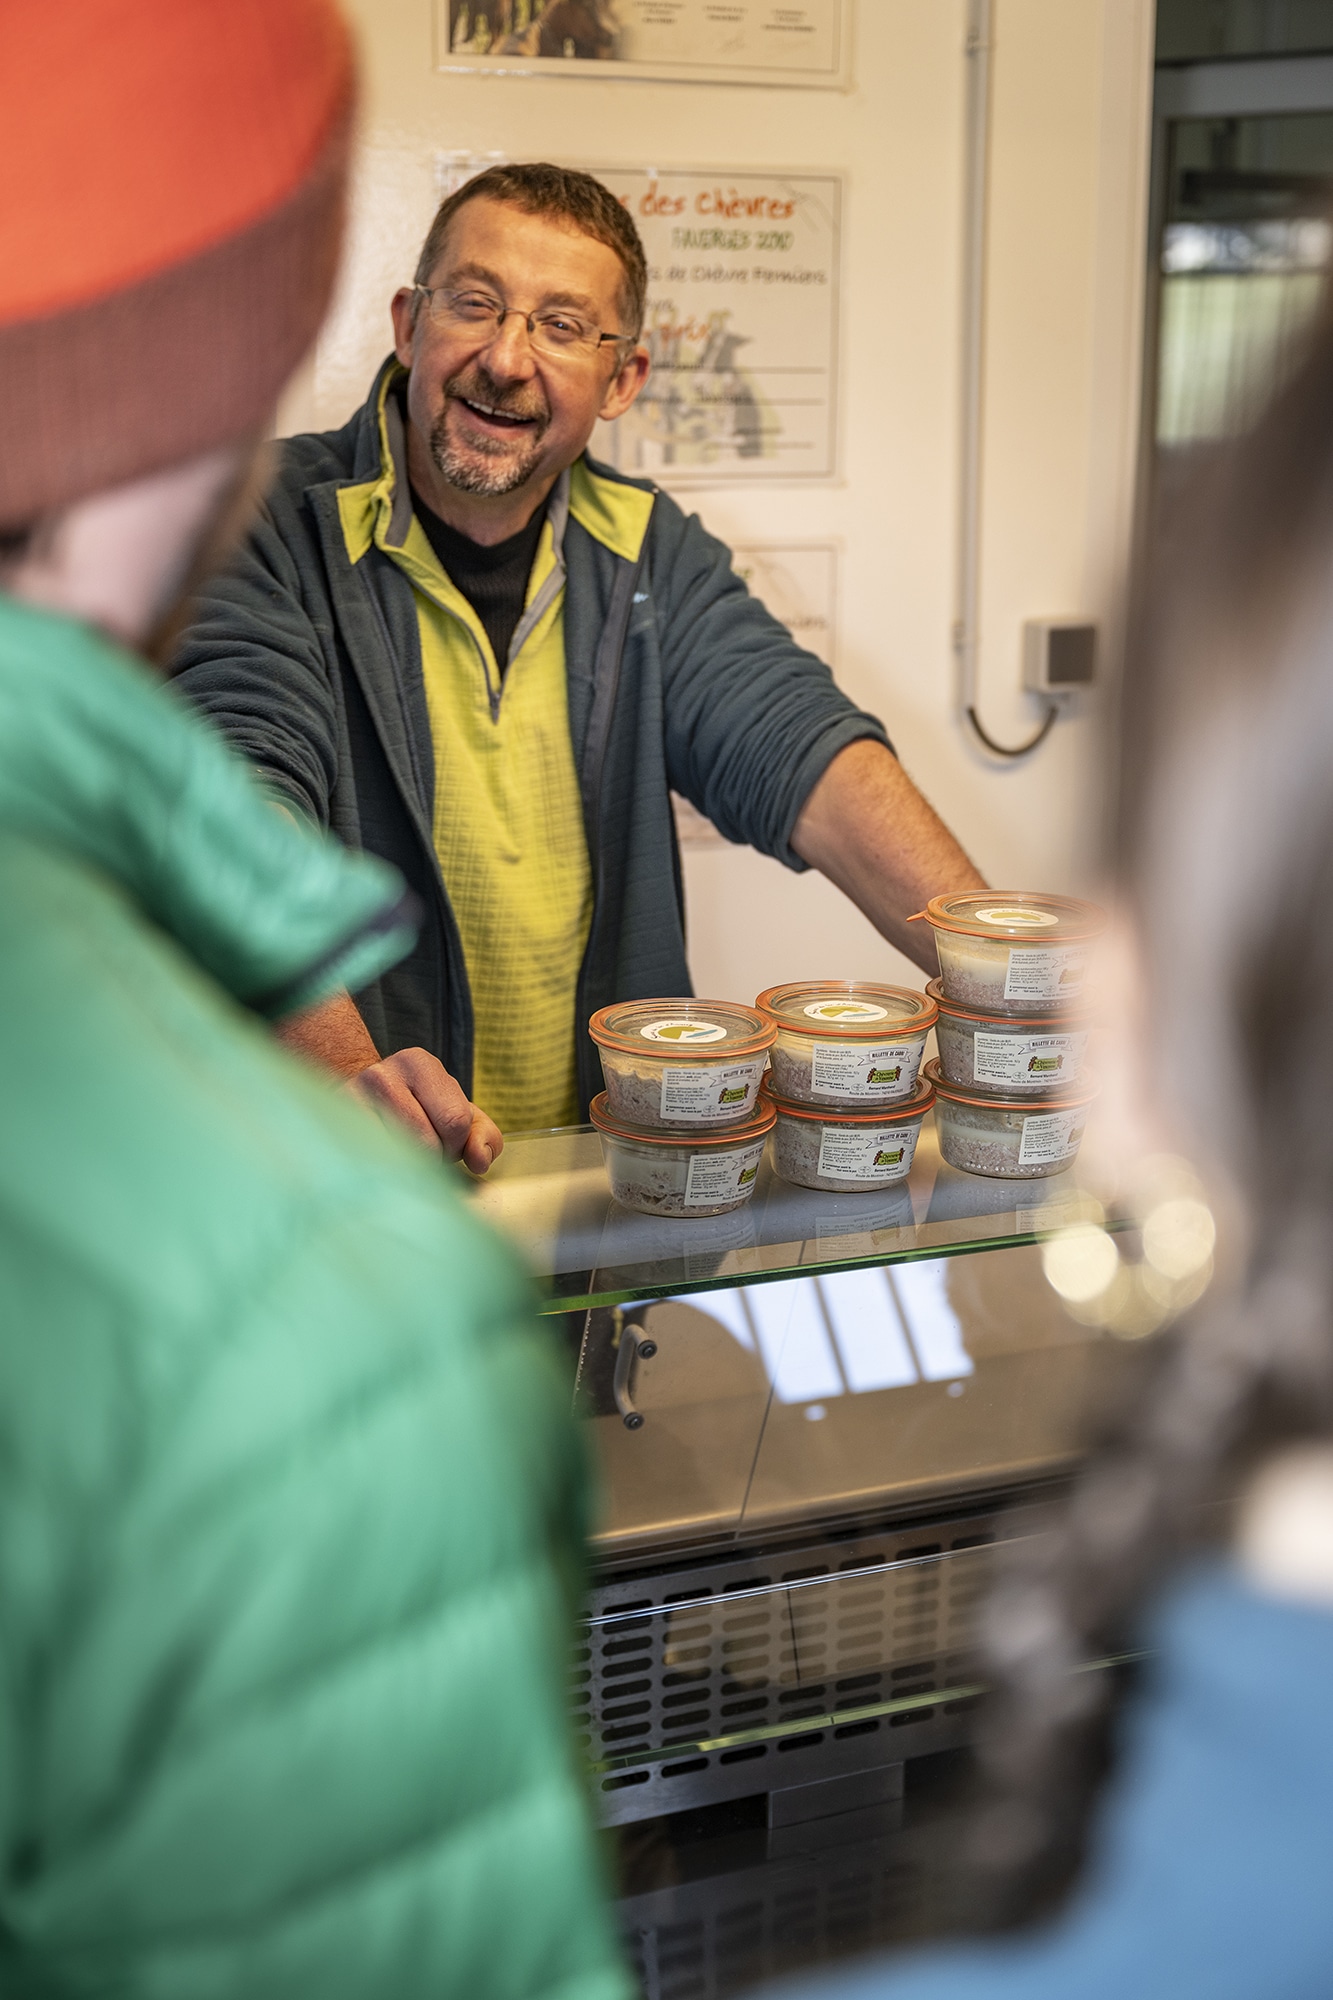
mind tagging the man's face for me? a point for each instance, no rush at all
(494, 413)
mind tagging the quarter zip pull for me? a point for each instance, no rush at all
(493, 689)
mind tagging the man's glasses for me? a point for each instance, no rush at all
(553, 330)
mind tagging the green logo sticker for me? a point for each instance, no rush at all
(736, 1095)
(748, 1175)
(885, 1075)
(883, 1158)
(1045, 1065)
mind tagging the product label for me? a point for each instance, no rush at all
(723, 1090)
(685, 1034)
(1043, 976)
(855, 1069)
(851, 1153)
(1052, 1136)
(717, 1177)
(1018, 919)
(1050, 1212)
(1027, 1062)
(850, 1011)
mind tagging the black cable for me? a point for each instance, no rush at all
(1024, 749)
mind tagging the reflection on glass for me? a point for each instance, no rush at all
(1197, 30)
(1244, 253)
(922, 1293)
(548, 1192)
(828, 1397)
(872, 1342)
(847, 1333)
(877, 1645)
(794, 1341)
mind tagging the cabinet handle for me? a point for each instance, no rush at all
(633, 1346)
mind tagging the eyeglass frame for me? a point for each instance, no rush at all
(502, 313)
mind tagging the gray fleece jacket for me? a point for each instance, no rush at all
(309, 660)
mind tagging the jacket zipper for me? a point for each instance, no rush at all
(449, 925)
(493, 692)
(595, 793)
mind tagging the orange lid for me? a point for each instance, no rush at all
(1046, 1024)
(1007, 1100)
(682, 1030)
(849, 1009)
(712, 1138)
(915, 1106)
(1018, 915)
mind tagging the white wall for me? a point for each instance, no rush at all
(1072, 90)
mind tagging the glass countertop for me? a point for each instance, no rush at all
(548, 1193)
(759, 1409)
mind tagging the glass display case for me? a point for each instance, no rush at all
(816, 1419)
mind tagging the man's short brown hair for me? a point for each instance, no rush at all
(541, 189)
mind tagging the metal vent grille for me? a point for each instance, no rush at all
(742, 1677)
(706, 1939)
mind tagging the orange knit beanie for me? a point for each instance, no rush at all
(172, 176)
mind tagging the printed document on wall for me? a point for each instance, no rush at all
(693, 41)
(742, 326)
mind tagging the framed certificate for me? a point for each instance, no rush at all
(742, 326)
(795, 42)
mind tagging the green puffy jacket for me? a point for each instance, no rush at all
(289, 1509)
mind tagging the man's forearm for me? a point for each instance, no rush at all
(411, 1086)
(866, 826)
(331, 1034)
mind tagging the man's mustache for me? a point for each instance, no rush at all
(477, 386)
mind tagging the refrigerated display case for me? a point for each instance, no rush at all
(816, 1419)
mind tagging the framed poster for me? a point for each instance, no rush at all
(742, 325)
(802, 42)
(798, 582)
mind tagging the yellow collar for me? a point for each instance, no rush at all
(377, 513)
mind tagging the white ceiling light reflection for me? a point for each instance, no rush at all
(888, 1330)
(794, 1342)
(729, 1307)
(935, 1330)
(871, 1343)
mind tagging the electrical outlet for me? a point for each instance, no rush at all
(1059, 656)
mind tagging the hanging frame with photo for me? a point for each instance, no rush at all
(802, 43)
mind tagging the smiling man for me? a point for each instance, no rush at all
(467, 647)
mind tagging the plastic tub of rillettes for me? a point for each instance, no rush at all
(1013, 953)
(846, 1043)
(841, 1152)
(1008, 1138)
(681, 1064)
(681, 1173)
(1030, 1055)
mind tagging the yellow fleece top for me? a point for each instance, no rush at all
(508, 814)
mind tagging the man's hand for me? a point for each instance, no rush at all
(866, 826)
(412, 1086)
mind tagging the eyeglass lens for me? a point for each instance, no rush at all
(556, 332)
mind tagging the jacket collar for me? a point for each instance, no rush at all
(375, 508)
(101, 761)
